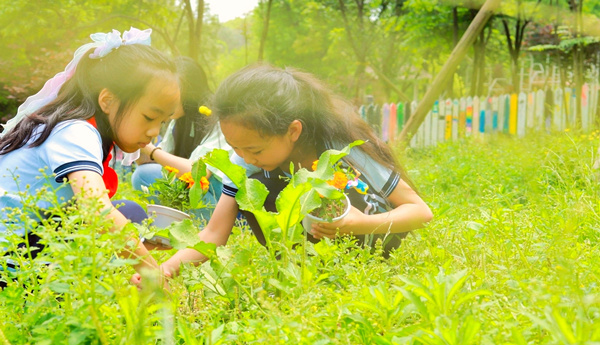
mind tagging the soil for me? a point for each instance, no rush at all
(330, 209)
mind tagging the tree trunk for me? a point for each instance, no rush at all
(578, 68)
(265, 31)
(194, 27)
(455, 28)
(455, 25)
(359, 46)
(514, 48)
(479, 48)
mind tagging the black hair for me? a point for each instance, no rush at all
(191, 129)
(125, 71)
(267, 99)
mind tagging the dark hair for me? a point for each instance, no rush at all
(267, 99)
(191, 129)
(125, 71)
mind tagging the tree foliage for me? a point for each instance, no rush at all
(388, 48)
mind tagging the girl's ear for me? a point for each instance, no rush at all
(106, 100)
(294, 130)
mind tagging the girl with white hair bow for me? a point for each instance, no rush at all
(117, 90)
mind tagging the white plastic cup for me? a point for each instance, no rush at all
(309, 219)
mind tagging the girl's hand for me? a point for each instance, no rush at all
(136, 280)
(168, 271)
(339, 228)
(147, 149)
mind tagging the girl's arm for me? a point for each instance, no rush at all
(166, 159)
(89, 184)
(411, 213)
(217, 231)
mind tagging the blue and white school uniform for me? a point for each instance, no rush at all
(73, 145)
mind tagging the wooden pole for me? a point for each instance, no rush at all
(448, 69)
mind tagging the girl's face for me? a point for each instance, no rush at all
(266, 152)
(144, 119)
(179, 112)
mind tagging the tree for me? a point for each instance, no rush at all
(360, 19)
(265, 31)
(519, 12)
(194, 21)
(479, 49)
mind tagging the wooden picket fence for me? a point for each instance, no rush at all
(516, 114)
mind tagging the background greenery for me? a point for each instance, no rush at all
(510, 257)
(388, 48)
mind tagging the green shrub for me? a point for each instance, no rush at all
(510, 258)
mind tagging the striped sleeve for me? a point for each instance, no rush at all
(229, 191)
(73, 146)
(383, 179)
(64, 170)
(390, 184)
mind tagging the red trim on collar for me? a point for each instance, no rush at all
(110, 177)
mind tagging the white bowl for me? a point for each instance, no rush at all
(309, 219)
(164, 216)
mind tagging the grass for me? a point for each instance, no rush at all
(510, 258)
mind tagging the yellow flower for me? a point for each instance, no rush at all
(314, 166)
(204, 110)
(187, 178)
(172, 170)
(340, 180)
(204, 184)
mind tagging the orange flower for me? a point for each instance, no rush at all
(204, 184)
(172, 170)
(187, 178)
(314, 166)
(340, 180)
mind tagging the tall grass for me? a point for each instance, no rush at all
(510, 258)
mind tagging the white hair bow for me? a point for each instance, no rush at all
(113, 40)
(104, 44)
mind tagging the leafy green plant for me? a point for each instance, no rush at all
(510, 258)
(336, 204)
(302, 194)
(183, 192)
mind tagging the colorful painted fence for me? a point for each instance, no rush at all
(516, 114)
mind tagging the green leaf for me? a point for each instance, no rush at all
(416, 300)
(564, 328)
(325, 166)
(267, 222)
(183, 234)
(251, 195)
(462, 278)
(289, 205)
(543, 47)
(59, 287)
(278, 285)
(216, 334)
(309, 201)
(196, 192)
(219, 159)
(207, 249)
